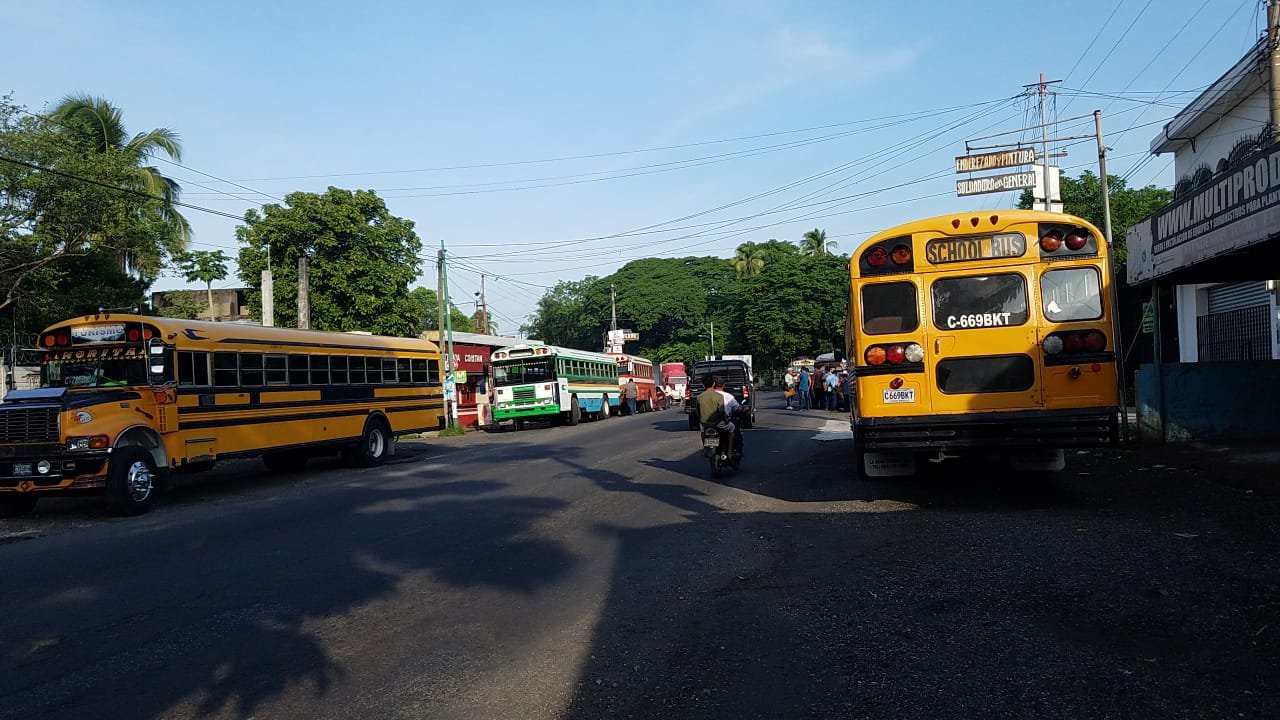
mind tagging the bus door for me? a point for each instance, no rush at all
(981, 340)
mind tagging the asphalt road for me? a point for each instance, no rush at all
(598, 572)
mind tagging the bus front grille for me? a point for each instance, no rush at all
(28, 425)
(524, 393)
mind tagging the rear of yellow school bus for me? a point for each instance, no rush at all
(981, 333)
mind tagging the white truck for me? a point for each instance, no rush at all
(751, 374)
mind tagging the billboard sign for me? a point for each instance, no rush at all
(996, 183)
(996, 160)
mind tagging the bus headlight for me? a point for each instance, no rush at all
(43, 467)
(92, 442)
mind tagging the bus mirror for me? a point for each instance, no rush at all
(155, 360)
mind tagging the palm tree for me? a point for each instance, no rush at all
(206, 266)
(98, 126)
(815, 243)
(748, 260)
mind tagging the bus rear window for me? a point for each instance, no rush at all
(979, 301)
(889, 308)
(1071, 294)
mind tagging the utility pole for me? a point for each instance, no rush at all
(713, 341)
(484, 309)
(304, 294)
(1273, 47)
(451, 406)
(613, 307)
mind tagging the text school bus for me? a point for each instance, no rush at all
(981, 333)
(546, 382)
(127, 399)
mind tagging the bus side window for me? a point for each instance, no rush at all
(402, 371)
(277, 370)
(433, 369)
(420, 373)
(251, 369)
(319, 369)
(388, 370)
(193, 368)
(338, 369)
(224, 369)
(373, 370)
(298, 370)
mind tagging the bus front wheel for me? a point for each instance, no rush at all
(575, 411)
(130, 481)
(375, 443)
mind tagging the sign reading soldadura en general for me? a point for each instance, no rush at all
(1238, 208)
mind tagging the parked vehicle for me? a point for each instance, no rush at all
(676, 377)
(737, 381)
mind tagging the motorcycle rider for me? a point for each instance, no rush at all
(717, 407)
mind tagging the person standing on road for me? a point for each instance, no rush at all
(630, 391)
(832, 383)
(802, 385)
(789, 383)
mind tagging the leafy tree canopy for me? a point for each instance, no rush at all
(426, 308)
(361, 261)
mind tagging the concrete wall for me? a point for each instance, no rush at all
(1237, 400)
(1215, 143)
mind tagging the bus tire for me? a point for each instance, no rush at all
(14, 505)
(575, 412)
(131, 481)
(519, 424)
(375, 443)
(284, 460)
(604, 410)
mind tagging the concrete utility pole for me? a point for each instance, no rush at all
(613, 307)
(304, 294)
(448, 329)
(268, 299)
(1273, 47)
(1044, 137)
(484, 309)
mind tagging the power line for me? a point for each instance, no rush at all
(1114, 45)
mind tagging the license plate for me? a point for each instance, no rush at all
(709, 442)
(22, 468)
(901, 395)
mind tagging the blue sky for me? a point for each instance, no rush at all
(532, 137)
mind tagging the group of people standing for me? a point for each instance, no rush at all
(817, 389)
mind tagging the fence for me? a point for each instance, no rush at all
(1242, 334)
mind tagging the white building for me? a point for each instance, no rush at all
(1217, 241)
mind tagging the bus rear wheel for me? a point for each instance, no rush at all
(17, 504)
(375, 443)
(130, 481)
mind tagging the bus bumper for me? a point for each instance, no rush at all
(524, 411)
(20, 469)
(1076, 428)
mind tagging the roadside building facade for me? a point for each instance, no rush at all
(1217, 245)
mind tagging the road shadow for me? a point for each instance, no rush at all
(222, 617)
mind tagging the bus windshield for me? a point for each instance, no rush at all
(94, 372)
(524, 371)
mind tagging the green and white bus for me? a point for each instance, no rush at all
(546, 382)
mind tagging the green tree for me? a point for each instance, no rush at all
(361, 261)
(426, 310)
(795, 307)
(815, 243)
(748, 260)
(562, 318)
(96, 126)
(61, 201)
(1083, 197)
(204, 266)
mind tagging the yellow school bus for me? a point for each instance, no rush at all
(125, 400)
(982, 333)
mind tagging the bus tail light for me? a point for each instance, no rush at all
(875, 355)
(877, 257)
(913, 353)
(1052, 345)
(1076, 240)
(1051, 241)
(1073, 343)
(895, 383)
(895, 354)
(1095, 341)
(901, 255)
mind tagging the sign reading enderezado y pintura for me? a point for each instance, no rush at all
(1240, 207)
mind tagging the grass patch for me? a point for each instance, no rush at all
(454, 431)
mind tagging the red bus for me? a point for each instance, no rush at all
(633, 367)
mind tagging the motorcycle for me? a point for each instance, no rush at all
(716, 445)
